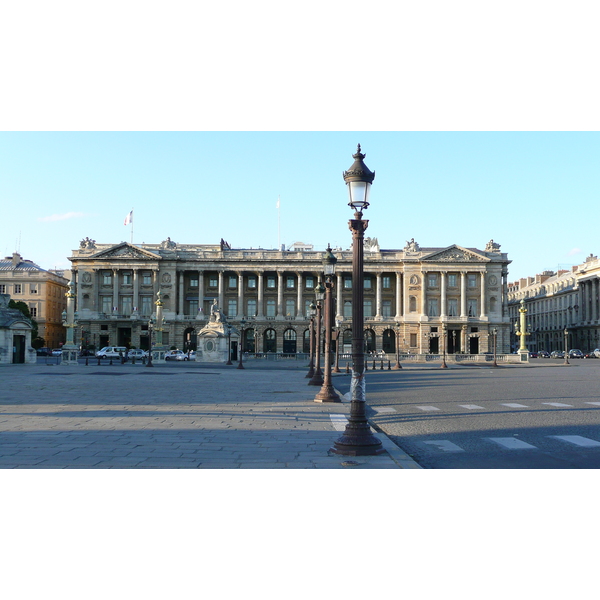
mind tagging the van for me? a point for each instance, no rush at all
(111, 352)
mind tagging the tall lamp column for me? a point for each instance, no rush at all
(357, 439)
(317, 378)
(566, 334)
(312, 309)
(397, 365)
(327, 393)
(241, 348)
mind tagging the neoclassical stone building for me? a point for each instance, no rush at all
(557, 300)
(409, 294)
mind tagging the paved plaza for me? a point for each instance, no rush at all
(174, 415)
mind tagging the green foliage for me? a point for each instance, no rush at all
(19, 305)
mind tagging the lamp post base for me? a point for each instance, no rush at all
(317, 378)
(327, 394)
(357, 440)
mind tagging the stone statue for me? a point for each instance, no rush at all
(168, 244)
(87, 244)
(371, 244)
(491, 246)
(412, 246)
(216, 316)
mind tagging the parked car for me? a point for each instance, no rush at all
(533, 355)
(597, 352)
(557, 354)
(111, 352)
(137, 353)
(57, 352)
(575, 353)
(44, 352)
(175, 355)
(543, 354)
(589, 355)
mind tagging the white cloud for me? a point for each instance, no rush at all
(64, 217)
(574, 252)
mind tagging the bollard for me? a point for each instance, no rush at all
(110, 363)
(381, 367)
(86, 361)
(347, 368)
(366, 366)
(374, 367)
(98, 361)
(133, 360)
(389, 366)
(143, 360)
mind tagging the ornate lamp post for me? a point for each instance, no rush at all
(312, 311)
(522, 331)
(150, 331)
(357, 439)
(444, 334)
(69, 320)
(397, 365)
(566, 334)
(495, 338)
(338, 329)
(228, 345)
(242, 323)
(317, 378)
(327, 393)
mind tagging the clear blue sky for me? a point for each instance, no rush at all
(535, 193)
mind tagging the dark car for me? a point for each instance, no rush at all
(557, 354)
(589, 355)
(533, 355)
(44, 352)
(543, 354)
(575, 353)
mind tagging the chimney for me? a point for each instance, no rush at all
(16, 259)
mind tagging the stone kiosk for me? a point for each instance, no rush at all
(213, 342)
(15, 335)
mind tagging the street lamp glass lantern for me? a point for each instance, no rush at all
(320, 291)
(312, 309)
(329, 261)
(359, 178)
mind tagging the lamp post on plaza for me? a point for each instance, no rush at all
(312, 310)
(357, 439)
(444, 334)
(566, 334)
(150, 330)
(327, 393)
(317, 378)
(228, 345)
(495, 338)
(255, 341)
(242, 323)
(397, 365)
(338, 329)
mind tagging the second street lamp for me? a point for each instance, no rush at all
(327, 393)
(317, 378)
(357, 439)
(566, 334)
(312, 309)
(397, 365)
(241, 345)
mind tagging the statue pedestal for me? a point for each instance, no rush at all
(69, 355)
(213, 342)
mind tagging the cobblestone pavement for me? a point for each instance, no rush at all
(183, 415)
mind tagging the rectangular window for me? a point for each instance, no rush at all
(17, 288)
(290, 307)
(386, 308)
(2, 289)
(432, 307)
(126, 278)
(368, 283)
(348, 309)
(270, 308)
(147, 279)
(146, 306)
(251, 308)
(107, 304)
(193, 282)
(127, 303)
(252, 282)
(452, 280)
(413, 340)
(107, 278)
(290, 283)
(33, 311)
(472, 281)
(432, 280)
(307, 308)
(232, 282)
(33, 288)
(368, 308)
(193, 308)
(310, 283)
(387, 283)
(452, 307)
(472, 307)
(271, 283)
(213, 282)
(232, 308)
(347, 283)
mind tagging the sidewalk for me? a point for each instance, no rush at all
(183, 415)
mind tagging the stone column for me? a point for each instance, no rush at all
(483, 312)
(260, 302)
(405, 294)
(136, 290)
(180, 294)
(398, 295)
(221, 291)
(463, 293)
(463, 339)
(339, 290)
(300, 307)
(423, 293)
(115, 291)
(279, 296)
(504, 293)
(241, 311)
(594, 299)
(200, 314)
(443, 301)
(378, 293)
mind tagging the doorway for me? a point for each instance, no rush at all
(18, 349)
(474, 345)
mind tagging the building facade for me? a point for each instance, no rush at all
(409, 295)
(43, 292)
(555, 301)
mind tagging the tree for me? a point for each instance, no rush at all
(21, 306)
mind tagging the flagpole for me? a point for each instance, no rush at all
(132, 226)
(278, 222)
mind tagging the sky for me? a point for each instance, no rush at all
(534, 193)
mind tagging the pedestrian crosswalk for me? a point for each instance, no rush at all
(514, 442)
(491, 406)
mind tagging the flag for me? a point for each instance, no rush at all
(129, 218)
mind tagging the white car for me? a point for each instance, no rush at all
(137, 354)
(111, 352)
(175, 355)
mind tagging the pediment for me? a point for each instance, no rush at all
(127, 251)
(455, 254)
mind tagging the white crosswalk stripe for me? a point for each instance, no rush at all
(445, 446)
(384, 409)
(558, 404)
(594, 403)
(339, 422)
(577, 440)
(428, 408)
(471, 406)
(512, 443)
(515, 405)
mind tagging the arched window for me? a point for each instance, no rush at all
(270, 341)
(369, 340)
(412, 304)
(389, 341)
(249, 341)
(306, 341)
(289, 341)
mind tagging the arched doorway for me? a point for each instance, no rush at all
(369, 340)
(306, 341)
(249, 341)
(289, 341)
(190, 341)
(389, 341)
(270, 341)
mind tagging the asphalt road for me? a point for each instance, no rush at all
(544, 416)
